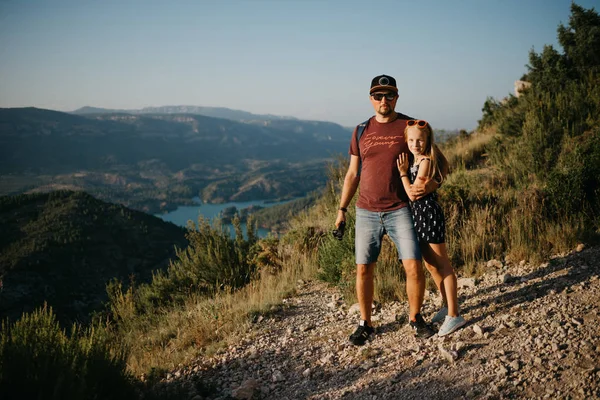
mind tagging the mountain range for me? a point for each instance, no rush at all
(215, 112)
(154, 159)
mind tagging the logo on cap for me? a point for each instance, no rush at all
(384, 81)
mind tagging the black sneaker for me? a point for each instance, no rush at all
(361, 334)
(422, 330)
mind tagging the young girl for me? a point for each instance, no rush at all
(429, 163)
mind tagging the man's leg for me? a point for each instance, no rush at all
(415, 290)
(415, 286)
(365, 289)
(369, 232)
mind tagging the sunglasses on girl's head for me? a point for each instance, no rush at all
(417, 122)
(388, 96)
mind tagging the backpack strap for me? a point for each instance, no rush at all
(360, 129)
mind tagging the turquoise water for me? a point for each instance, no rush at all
(183, 214)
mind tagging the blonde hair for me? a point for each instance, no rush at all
(438, 167)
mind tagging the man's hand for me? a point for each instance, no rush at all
(402, 163)
(421, 187)
(341, 216)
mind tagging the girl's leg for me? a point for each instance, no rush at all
(435, 255)
(438, 279)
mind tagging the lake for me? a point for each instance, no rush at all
(183, 214)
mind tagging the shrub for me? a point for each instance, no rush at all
(38, 360)
(336, 257)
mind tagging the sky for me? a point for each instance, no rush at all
(308, 59)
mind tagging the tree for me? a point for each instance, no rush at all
(580, 40)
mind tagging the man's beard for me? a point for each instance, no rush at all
(385, 111)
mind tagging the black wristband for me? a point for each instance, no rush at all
(402, 176)
(344, 209)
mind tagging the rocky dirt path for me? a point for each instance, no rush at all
(532, 333)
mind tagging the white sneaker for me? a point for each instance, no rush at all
(451, 324)
(439, 317)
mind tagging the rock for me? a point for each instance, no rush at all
(515, 365)
(577, 321)
(327, 359)
(354, 309)
(521, 86)
(306, 373)
(457, 346)
(466, 283)
(246, 390)
(502, 371)
(478, 330)
(253, 354)
(506, 278)
(277, 376)
(580, 247)
(494, 264)
(449, 355)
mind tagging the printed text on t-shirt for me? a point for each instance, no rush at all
(373, 140)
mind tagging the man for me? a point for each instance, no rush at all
(382, 206)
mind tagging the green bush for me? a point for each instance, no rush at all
(213, 261)
(336, 257)
(38, 360)
(574, 187)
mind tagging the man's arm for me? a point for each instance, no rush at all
(349, 189)
(422, 187)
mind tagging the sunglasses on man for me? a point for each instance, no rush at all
(388, 96)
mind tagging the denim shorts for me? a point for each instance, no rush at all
(397, 224)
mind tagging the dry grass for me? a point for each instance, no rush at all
(203, 325)
(466, 152)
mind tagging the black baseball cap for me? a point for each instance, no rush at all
(383, 82)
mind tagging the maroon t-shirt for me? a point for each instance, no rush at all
(380, 186)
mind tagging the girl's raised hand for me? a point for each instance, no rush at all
(402, 163)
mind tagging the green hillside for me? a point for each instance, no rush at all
(64, 247)
(534, 188)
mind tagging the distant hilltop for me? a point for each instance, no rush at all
(215, 112)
